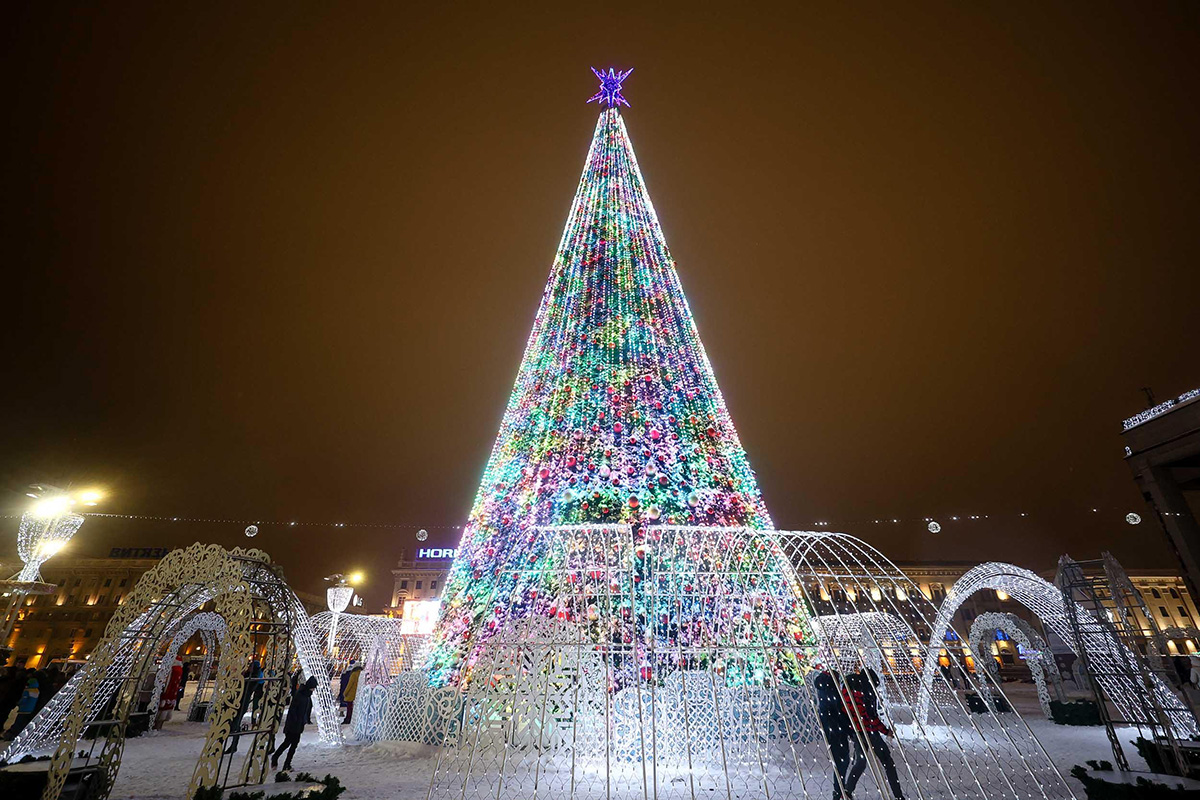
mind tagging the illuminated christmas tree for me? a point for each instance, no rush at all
(616, 417)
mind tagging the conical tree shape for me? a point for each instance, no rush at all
(616, 416)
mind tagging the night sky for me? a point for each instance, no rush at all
(278, 262)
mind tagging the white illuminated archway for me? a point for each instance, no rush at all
(1040, 660)
(1046, 600)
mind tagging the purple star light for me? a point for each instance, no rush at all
(610, 86)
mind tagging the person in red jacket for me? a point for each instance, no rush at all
(862, 706)
(166, 703)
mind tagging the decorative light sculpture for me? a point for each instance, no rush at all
(350, 637)
(1037, 654)
(197, 570)
(204, 621)
(615, 416)
(251, 531)
(44, 530)
(934, 527)
(1046, 601)
(652, 675)
(1133, 518)
(337, 598)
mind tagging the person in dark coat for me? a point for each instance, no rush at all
(11, 688)
(835, 724)
(26, 707)
(863, 706)
(293, 725)
(184, 677)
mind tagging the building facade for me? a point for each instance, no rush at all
(419, 578)
(1165, 594)
(1162, 449)
(67, 624)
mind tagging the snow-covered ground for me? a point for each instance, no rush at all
(160, 765)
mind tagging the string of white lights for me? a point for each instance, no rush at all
(940, 520)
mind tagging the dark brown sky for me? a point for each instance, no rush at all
(276, 261)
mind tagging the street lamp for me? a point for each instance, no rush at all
(45, 528)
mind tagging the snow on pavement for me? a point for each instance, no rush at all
(159, 766)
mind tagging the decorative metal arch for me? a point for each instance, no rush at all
(106, 687)
(350, 637)
(1046, 600)
(203, 622)
(983, 631)
(209, 642)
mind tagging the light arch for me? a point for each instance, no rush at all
(241, 584)
(1021, 633)
(209, 625)
(1046, 601)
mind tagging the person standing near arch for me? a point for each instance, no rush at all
(293, 725)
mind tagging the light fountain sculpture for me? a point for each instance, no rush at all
(337, 598)
(45, 529)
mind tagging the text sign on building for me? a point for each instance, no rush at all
(139, 552)
(435, 553)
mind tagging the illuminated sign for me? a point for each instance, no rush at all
(419, 616)
(435, 553)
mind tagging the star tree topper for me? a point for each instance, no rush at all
(610, 87)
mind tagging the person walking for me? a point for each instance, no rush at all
(863, 707)
(255, 687)
(351, 691)
(293, 724)
(835, 724)
(49, 682)
(167, 701)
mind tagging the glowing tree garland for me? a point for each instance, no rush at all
(615, 416)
